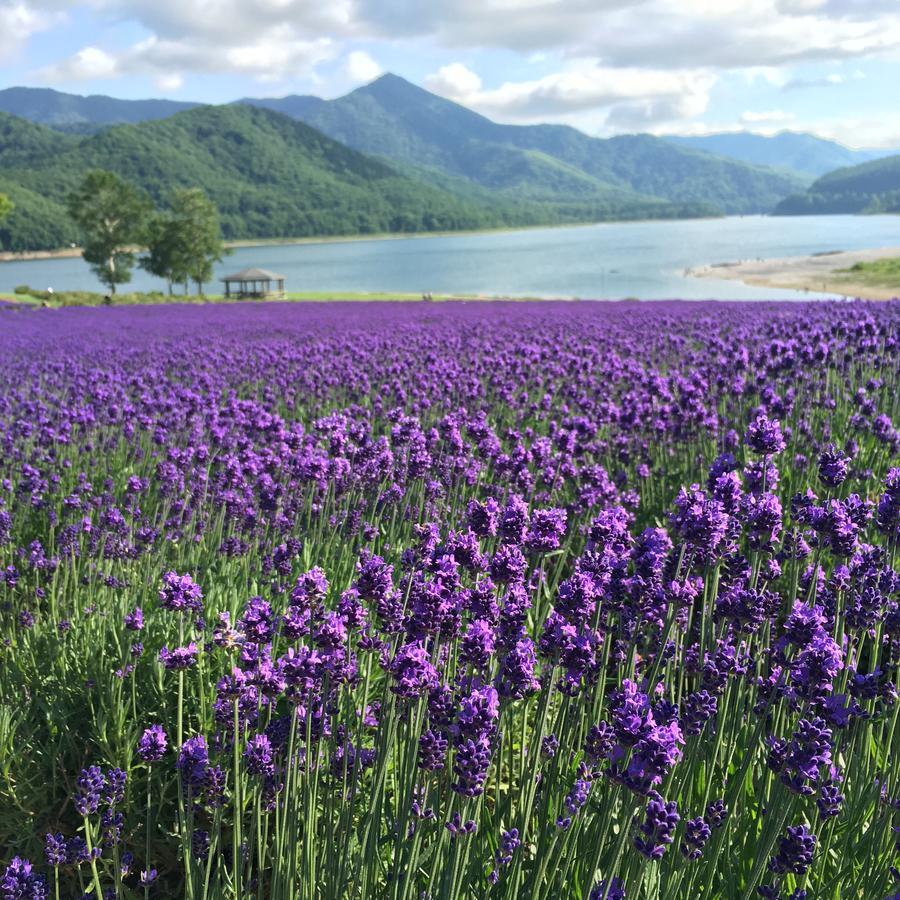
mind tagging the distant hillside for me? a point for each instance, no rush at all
(271, 176)
(806, 155)
(83, 115)
(873, 187)
(394, 119)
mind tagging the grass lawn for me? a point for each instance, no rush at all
(878, 273)
(90, 298)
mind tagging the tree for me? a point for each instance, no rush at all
(199, 236)
(185, 241)
(112, 215)
(6, 206)
(162, 259)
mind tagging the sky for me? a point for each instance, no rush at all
(831, 67)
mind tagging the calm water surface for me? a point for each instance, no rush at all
(613, 260)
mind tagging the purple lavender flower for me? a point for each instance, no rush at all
(471, 764)
(817, 664)
(632, 719)
(508, 564)
(433, 746)
(716, 813)
(21, 881)
(414, 675)
(576, 798)
(514, 520)
(179, 657)
(657, 830)
(483, 518)
(795, 851)
(258, 756)
(90, 785)
(546, 529)
(55, 849)
(833, 466)
(478, 644)
(614, 889)
(153, 744)
(697, 833)
(114, 787)
(180, 594)
(509, 843)
(764, 436)
(193, 762)
(599, 742)
(699, 708)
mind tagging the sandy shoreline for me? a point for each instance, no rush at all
(815, 274)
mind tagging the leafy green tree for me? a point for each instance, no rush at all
(162, 259)
(112, 216)
(185, 241)
(197, 235)
(6, 206)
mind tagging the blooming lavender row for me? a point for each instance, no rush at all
(528, 600)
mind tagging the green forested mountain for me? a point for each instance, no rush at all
(806, 155)
(83, 115)
(396, 120)
(873, 187)
(273, 176)
(395, 158)
(269, 175)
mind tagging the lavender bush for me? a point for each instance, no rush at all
(460, 601)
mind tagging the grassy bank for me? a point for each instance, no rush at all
(60, 299)
(879, 273)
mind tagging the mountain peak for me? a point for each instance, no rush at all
(389, 84)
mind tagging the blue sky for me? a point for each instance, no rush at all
(606, 66)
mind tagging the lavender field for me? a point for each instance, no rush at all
(450, 601)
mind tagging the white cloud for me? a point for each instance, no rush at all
(633, 98)
(18, 22)
(454, 81)
(728, 34)
(768, 116)
(620, 64)
(360, 67)
(272, 56)
(883, 131)
(174, 81)
(87, 64)
(832, 79)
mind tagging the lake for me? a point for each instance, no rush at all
(609, 260)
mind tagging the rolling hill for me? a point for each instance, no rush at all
(873, 187)
(805, 155)
(83, 115)
(270, 175)
(401, 122)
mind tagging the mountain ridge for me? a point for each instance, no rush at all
(270, 175)
(398, 120)
(808, 155)
(84, 114)
(868, 188)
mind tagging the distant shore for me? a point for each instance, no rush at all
(817, 273)
(71, 252)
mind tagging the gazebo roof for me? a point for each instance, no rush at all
(254, 275)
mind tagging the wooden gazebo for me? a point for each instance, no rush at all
(256, 284)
